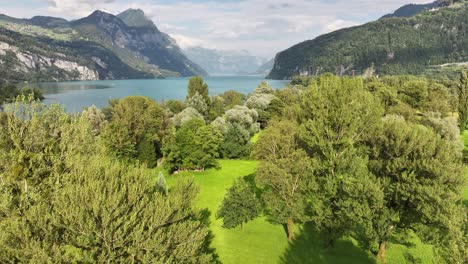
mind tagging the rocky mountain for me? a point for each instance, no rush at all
(225, 62)
(395, 45)
(100, 46)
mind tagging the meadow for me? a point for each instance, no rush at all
(263, 242)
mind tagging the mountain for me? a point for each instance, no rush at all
(413, 9)
(100, 46)
(265, 68)
(396, 45)
(224, 62)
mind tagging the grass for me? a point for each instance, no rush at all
(263, 242)
(465, 190)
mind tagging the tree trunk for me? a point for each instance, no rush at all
(290, 229)
(382, 249)
(242, 226)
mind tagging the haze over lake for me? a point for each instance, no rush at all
(80, 94)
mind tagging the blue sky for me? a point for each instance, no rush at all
(262, 27)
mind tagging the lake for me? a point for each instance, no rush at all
(75, 96)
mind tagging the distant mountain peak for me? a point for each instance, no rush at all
(135, 18)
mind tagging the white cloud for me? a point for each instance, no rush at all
(263, 27)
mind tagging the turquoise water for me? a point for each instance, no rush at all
(75, 96)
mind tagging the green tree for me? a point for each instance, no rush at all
(336, 114)
(146, 152)
(421, 177)
(285, 173)
(134, 118)
(106, 211)
(463, 102)
(161, 184)
(195, 145)
(197, 85)
(240, 205)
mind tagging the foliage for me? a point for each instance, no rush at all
(398, 46)
(134, 119)
(236, 143)
(194, 146)
(197, 85)
(185, 116)
(421, 182)
(161, 184)
(96, 118)
(463, 102)
(198, 103)
(146, 152)
(240, 205)
(285, 173)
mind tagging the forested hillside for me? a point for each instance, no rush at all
(100, 46)
(400, 45)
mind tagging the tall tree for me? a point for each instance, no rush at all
(134, 119)
(463, 102)
(240, 204)
(336, 114)
(421, 177)
(196, 84)
(285, 174)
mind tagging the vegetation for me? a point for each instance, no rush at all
(406, 45)
(349, 170)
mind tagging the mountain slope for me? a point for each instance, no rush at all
(28, 58)
(144, 48)
(224, 62)
(100, 46)
(413, 9)
(387, 46)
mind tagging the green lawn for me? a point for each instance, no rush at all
(263, 242)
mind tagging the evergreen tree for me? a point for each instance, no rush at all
(196, 84)
(161, 185)
(463, 102)
(146, 152)
(240, 205)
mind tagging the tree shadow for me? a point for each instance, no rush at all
(308, 247)
(207, 248)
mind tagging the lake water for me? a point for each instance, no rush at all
(75, 96)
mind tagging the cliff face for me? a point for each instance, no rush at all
(26, 62)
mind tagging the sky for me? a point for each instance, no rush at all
(261, 27)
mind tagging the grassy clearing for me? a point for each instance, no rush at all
(263, 242)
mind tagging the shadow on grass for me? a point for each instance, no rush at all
(308, 247)
(207, 248)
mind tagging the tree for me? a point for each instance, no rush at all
(285, 173)
(336, 115)
(196, 84)
(240, 205)
(198, 103)
(193, 146)
(161, 185)
(236, 143)
(106, 211)
(134, 119)
(96, 118)
(463, 102)
(146, 152)
(186, 115)
(420, 175)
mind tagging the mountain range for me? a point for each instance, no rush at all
(225, 62)
(100, 46)
(400, 43)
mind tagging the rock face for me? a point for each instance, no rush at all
(27, 62)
